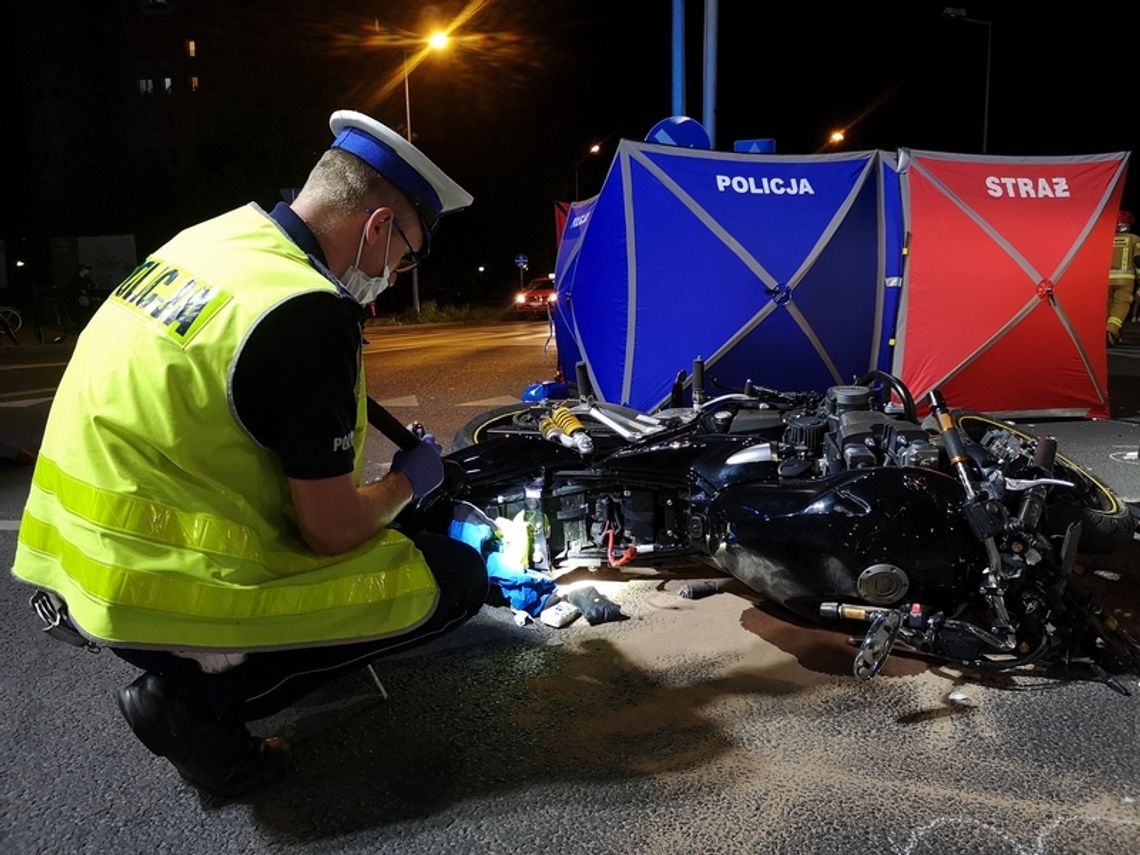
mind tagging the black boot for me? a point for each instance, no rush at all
(215, 755)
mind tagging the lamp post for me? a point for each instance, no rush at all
(436, 41)
(594, 149)
(407, 101)
(957, 13)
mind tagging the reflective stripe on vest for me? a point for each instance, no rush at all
(1125, 247)
(106, 601)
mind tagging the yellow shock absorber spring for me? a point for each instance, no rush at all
(547, 428)
(565, 421)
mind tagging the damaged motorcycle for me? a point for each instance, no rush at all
(954, 536)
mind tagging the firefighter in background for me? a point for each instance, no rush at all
(1122, 276)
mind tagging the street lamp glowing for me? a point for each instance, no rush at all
(836, 137)
(595, 148)
(436, 41)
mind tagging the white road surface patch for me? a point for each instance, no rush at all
(406, 401)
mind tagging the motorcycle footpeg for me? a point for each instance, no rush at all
(877, 644)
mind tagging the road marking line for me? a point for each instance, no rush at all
(34, 365)
(28, 392)
(500, 401)
(30, 402)
(406, 401)
(9, 525)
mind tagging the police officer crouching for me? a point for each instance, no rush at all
(197, 505)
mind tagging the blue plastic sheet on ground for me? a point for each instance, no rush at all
(525, 589)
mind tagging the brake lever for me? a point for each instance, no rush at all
(1018, 484)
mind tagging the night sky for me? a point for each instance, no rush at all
(528, 85)
(892, 74)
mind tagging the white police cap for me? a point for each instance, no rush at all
(431, 192)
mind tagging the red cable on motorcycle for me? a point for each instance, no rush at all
(628, 555)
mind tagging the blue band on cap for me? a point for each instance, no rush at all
(384, 159)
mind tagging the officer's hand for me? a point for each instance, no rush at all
(433, 442)
(422, 465)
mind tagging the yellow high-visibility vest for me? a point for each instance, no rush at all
(153, 513)
(1125, 248)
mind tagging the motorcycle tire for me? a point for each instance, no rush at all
(475, 431)
(1106, 522)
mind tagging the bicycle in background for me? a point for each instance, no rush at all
(10, 322)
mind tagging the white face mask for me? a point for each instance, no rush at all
(360, 285)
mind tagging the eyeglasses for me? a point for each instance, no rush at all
(411, 258)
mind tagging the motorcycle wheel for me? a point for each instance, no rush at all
(520, 416)
(1106, 522)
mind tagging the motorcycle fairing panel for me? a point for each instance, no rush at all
(1005, 282)
(769, 267)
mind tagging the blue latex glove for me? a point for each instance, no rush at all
(473, 527)
(524, 589)
(432, 441)
(422, 465)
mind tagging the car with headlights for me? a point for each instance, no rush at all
(537, 298)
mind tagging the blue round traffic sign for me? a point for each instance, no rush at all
(521, 260)
(680, 131)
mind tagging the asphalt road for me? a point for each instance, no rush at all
(695, 726)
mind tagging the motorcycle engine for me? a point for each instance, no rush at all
(860, 437)
(806, 434)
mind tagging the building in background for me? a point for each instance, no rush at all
(127, 120)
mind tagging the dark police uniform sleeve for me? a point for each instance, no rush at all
(294, 383)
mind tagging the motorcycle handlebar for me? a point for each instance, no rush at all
(698, 383)
(454, 478)
(390, 426)
(1033, 502)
